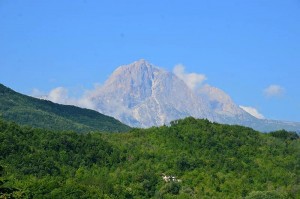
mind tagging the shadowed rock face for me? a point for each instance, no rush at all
(142, 95)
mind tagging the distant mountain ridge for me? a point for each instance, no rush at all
(143, 95)
(39, 113)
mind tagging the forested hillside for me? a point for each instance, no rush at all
(34, 112)
(206, 160)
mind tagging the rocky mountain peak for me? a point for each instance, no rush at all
(141, 94)
(137, 67)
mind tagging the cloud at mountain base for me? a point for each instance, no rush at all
(252, 111)
(61, 95)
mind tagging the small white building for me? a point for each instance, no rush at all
(167, 178)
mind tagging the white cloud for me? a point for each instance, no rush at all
(85, 102)
(61, 95)
(274, 91)
(192, 80)
(252, 111)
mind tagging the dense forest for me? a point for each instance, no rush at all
(188, 159)
(44, 114)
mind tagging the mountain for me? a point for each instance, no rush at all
(143, 95)
(34, 112)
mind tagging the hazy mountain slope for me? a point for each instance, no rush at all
(142, 95)
(222, 104)
(27, 110)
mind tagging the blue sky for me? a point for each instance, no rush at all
(249, 48)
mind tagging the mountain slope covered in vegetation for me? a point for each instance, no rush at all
(189, 159)
(34, 112)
